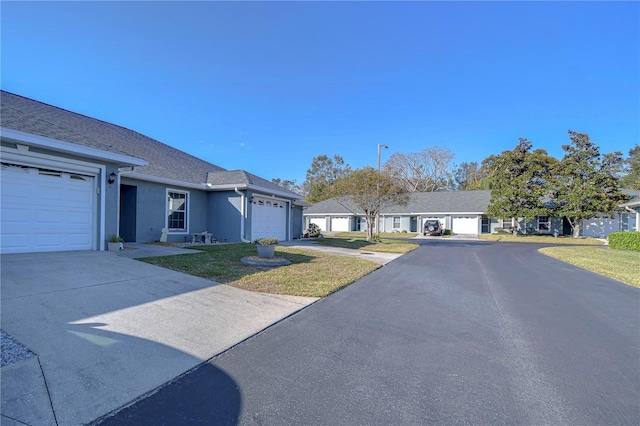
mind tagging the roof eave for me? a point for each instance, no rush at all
(30, 139)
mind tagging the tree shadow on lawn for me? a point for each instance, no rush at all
(221, 263)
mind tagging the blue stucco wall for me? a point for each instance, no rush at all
(224, 215)
(151, 205)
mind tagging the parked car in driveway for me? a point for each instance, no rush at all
(432, 227)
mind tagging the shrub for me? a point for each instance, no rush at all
(269, 241)
(314, 231)
(625, 240)
(116, 239)
(447, 232)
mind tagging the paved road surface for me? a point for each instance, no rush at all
(452, 333)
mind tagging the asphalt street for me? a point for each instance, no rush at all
(456, 332)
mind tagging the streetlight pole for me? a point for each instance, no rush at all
(380, 145)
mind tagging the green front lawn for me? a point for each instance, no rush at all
(544, 239)
(621, 265)
(383, 235)
(310, 273)
(359, 243)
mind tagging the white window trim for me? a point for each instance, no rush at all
(548, 222)
(393, 222)
(187, 212)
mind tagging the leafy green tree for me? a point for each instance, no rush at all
(289, 185)
(519, 181)
(322, 174)
(631, 178)
(586, 182)
(371, 191)
(424, 171)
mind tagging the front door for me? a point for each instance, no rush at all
(128, 209)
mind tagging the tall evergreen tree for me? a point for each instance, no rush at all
(586, 182)
(631, 178)
(519, 182)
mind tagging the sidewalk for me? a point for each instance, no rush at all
(107, 329)
(311, 244)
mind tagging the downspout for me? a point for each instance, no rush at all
(242, 213)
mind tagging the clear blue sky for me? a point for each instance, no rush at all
(266, 86)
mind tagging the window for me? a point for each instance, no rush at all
(506, 223)
(543, 223)
(396, 222)
(177, 211)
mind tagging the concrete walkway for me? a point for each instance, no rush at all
(107, 329)
(311, 244)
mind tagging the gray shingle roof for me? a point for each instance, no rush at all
(34, 117)
(239, 177)
(420, 202)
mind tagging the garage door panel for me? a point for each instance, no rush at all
(464, 225)
(268, 219)
(46, 211)
(340, 224)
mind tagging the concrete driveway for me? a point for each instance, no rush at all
(106, 329)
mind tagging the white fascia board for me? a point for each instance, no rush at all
(441, 213)
(224, 187)
(260, 190)
(633, 203)
(269, 191)
(165, 181)
(333, 214)
(68, 147)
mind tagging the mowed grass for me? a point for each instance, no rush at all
(544, 239)
(359, 242)
(621, 265)
(310, 273)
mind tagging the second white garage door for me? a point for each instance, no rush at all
(340, 224)
(46, 210)
(268, 219)
(464, 224)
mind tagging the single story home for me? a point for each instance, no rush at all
(462, 212)
(70, 181)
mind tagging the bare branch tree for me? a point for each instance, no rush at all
(428, 170)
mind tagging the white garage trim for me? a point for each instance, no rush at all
(28, 158)
(44, 209)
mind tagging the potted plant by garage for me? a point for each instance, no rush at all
(266, 247)
(115, 243)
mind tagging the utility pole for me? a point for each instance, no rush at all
(380, 145)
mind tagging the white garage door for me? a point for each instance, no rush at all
(268, 219)
(464, 224)
(320, 221)
(46, 210)
(340, 224)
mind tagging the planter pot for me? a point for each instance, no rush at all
(115, 246)
(266, 252)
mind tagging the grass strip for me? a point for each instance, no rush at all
(544, 239)
(621, 265)
(311, 274)
(359, 243)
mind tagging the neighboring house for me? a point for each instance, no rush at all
(462, 212)
(70, 181)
